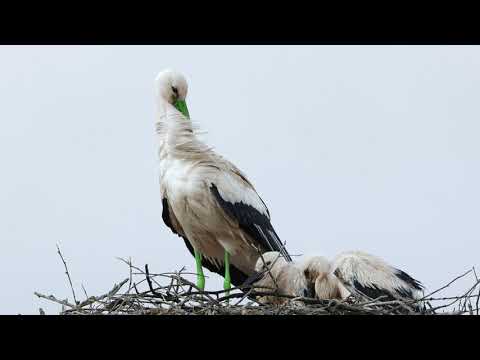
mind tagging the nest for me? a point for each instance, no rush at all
(145, 293)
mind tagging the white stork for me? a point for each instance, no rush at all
(322, 283)
(350, 272)
(275, 273)
(206, 199)
(360, 273)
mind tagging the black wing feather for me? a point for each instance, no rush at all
(254, 223)
(409, 280)
(373, 291)
(237, 277)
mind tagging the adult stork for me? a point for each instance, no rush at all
(206, 199)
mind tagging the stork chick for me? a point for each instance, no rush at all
(280, 276)
(360, 273)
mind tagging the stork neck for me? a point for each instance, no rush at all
(171, 123)
(175, 134)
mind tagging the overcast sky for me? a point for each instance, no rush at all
(351, 147)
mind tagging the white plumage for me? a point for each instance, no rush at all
(350, 272)
(360, 273)
(206, 199)
(322, 281)
(212, 205)
(279, 275)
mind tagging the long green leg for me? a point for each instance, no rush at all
(200, 276)
(227, 284)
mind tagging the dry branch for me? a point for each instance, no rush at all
(172, 293)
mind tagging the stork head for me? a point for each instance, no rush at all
(172, 87)
(314, 267)
(320, 280)
(269, 260)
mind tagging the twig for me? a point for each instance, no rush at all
(450, 283)
(68, 274)
(85, 291)
(54, 299)
(172, 293)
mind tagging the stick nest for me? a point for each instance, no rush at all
(145, 293)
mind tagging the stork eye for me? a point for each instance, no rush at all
(175, 90)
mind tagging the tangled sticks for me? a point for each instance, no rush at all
(173, 294)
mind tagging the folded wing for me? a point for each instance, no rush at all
(372, 277)
(237, 197)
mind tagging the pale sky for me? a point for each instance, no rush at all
(351, 147)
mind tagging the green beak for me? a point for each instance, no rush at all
(181, 106)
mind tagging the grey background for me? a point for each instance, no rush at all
(351, 147)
